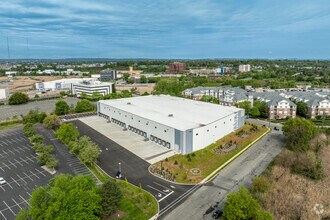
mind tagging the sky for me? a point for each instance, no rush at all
(165, 29)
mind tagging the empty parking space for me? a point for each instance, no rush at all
(19, 168)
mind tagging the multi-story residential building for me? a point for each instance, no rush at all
(176, 67)
(227, 95)
(244, 68)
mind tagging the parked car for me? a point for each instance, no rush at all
(217, 214)
(276, 129)
(2, 181)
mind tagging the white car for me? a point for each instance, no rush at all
(2, 181)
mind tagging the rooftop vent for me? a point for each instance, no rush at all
(170, 115)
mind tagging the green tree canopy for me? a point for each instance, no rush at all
(302, 109)
(18, 98)
(84, 106)
(61, 107)
(298, 133)
(52, 122)
(67, 132)
(89, 154)
(242, 205)
(66, 197)
(246, 105)
(111, 196)
(262, 107)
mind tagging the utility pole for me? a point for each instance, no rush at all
(8, 49)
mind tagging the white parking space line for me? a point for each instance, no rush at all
(165, 196)
(29, 194)
(12, 164)
(2, 188)
(14, 149)
(23, 160)
(156, 189)
(9, 208)
(39, 172)
(162, 186)
(18, 162)
(16, 203)
(3, 216)
(6, 165)
(27, 176)
(9, 185)
(34, 174)
(4, 152)
(24, 200)
(4, 143)
(21, 178)
(15, 181)
(2, 169)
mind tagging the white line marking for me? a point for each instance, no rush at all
(9, 208)
(165, 196)
(16, 203)
(3, 215)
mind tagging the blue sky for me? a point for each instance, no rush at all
(165, 29)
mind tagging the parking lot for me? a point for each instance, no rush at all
(19, 167)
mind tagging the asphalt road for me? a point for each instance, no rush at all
(48, 106)
(240, 172)
(133, 168)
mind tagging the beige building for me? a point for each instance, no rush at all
(244, 68)
(282, 109)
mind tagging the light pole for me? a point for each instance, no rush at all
(119, 167)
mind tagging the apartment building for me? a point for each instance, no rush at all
(244, 68)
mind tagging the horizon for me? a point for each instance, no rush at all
(169, 30)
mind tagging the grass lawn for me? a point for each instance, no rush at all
(136, 203)
(10, 124)
(207, 160)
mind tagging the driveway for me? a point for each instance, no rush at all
(133, 168)
(239, 172)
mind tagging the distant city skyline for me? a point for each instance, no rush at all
(165, 29)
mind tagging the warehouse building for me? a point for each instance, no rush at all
(179, 124)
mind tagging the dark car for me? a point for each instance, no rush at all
(217, 214)
(276, 129)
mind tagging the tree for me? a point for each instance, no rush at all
(242, 205)
(111, 195)
(246, 105)
(66, 197)
(298, 133)
(255, 112)
(52, 122)
(18, 98)
(33, 116)
(76, 146)
(89, 154)
(43, 158)
(37, 139)
(143, 79)
(260, 184)
(67, 132)
(263, 108)
(302, 109)
(84, 106)
(23, 214)
(126, 76)
(61, 107)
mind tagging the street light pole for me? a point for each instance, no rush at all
(119, 167)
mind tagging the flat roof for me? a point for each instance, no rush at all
(175, 112)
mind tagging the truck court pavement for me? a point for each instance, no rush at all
(18, 166)
(134, 169)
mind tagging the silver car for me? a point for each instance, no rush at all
(2, 181)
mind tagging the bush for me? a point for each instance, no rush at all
(175, 162)
(29, 129)
(37, 139)
(67, 132)
(61, 107)
(38, 147)
(43, 158)
(52, 122)
(33, 116)
(18, 98)
(260, 184)
(84, 106)
(111, 196)
(51, 163)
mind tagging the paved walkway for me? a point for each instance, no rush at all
(147, 150)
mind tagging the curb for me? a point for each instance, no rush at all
(153, 217)
(215, 172)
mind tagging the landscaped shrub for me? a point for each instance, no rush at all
(29, 129)
(37, 139)
(43, 158)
